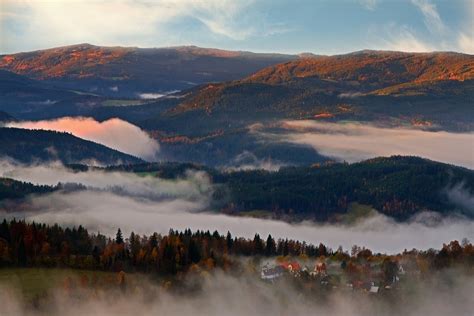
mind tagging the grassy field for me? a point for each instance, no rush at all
(33, 282)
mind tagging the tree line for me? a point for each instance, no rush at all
(25, 244)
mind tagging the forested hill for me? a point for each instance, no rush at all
(12, 189)
(399, 187)
(132, 70)
(37, 145)
(361, 86)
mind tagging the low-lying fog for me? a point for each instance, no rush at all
(353, 142)
(221, 294)
(114, 133)
(146, 204)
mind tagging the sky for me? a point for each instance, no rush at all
(286, 26)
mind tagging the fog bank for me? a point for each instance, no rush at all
(114, 133)
(353, 142)
(221, 294)
(146, 204)
(106, 211)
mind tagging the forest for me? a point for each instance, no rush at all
(399, 187)
(30, 244)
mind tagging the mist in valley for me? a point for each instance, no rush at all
(146, 204)
(224, 294)
(353, 142)
(114, 133)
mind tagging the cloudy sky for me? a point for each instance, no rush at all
(290, 26)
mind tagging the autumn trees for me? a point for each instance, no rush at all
(40, 245)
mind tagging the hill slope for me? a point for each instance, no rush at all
(126, 71)
(37, 145)
(397, 186)
(12, 189)
(369, 86)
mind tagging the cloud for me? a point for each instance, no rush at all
(248, 161)
(466, 42)
(432, 18)
(355, 142)
(369, 4)
(403, 39)
(151, 95)
(57, 22)
(106, 212)
(194, 186)
(146, 205)
(461, 197)
(113, 133)
(350, 95)
(242, 293)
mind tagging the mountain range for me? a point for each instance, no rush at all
(224, 94)
(130, 71)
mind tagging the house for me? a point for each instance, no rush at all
(292, 267)
(320, 269)
(271, 274)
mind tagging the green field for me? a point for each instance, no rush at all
(33, 282)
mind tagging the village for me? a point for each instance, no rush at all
(372, 276)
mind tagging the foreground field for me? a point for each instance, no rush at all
(32, 283)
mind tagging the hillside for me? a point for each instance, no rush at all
(28, 98)
(128, 71)
(29, 146)
(12, 189)
(362, 86)
(373, 69)
(397, 186)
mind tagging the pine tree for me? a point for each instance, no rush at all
(229, 242)
(119, 237)
(270, 248)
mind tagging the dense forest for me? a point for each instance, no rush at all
(396, 186)
(24, 244)
(12, 189)
(399, 187)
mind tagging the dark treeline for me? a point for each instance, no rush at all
(396, 186)
(33, 244)
(12, 189)
(24, 244)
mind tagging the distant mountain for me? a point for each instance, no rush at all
(213, 123)
(401, 88)
(37, 145)
(127, 71)
(28, 98)
(371, 70)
